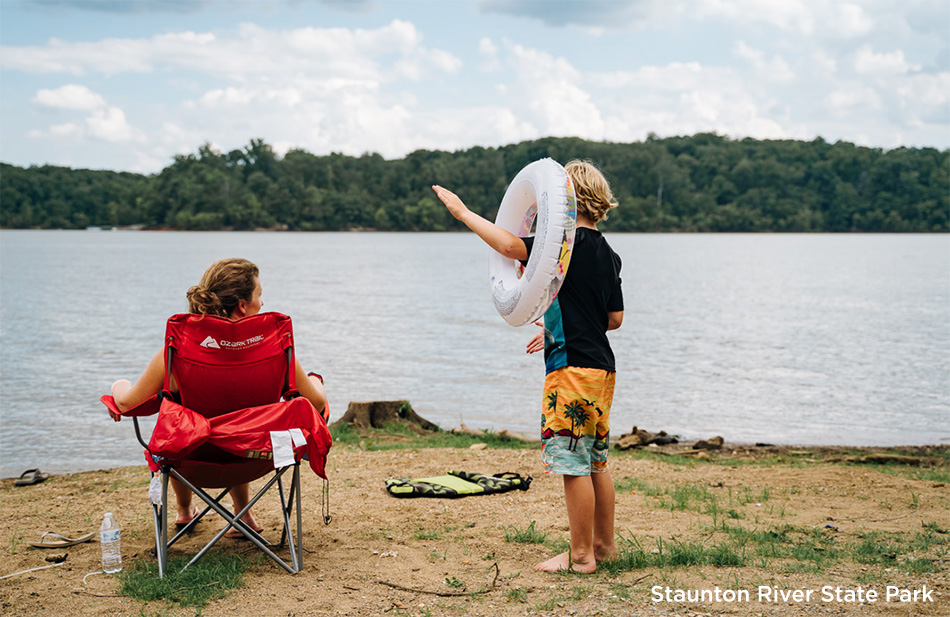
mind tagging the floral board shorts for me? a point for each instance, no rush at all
(575, 420)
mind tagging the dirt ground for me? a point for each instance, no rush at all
(387, 556)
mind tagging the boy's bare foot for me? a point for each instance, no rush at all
(563, 562)
(605, 554)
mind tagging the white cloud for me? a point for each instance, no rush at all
(110, 56)
(321, 87)
(551, 90)
(851, 19)
(109, 124)
(866, 62)
(822, 64)
(851, 97)
(686, 98)
(67, 129)
(597, 14)
(488, 52)
(104, 122)
(783, 68)
(70, 96)
(776, 69)
(794, 15)
(253, 52)
(925, 99)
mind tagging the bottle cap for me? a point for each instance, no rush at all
(108, 514)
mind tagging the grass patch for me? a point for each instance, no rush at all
(920, 463)
(673, 554)
(400, 436)
(695, 498)
(558, 546)
(208, 579)
(529, 535)
(876, 548)
(786, 548)
(928, 474)
(424, 534)
(581, 592)
(919, 566)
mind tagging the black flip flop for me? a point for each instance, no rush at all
(31, 476)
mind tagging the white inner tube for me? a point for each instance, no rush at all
(542, 190)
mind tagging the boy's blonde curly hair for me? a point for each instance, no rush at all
(594, 197)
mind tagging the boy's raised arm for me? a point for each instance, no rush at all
(502, 240)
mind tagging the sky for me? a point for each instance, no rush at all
(128, 84)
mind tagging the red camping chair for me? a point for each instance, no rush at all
(227, 424)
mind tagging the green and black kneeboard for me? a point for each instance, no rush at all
(457, 484)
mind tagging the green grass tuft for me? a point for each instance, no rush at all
(208, 579)
(399, 436)
(529, 535)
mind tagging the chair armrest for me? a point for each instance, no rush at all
(149, 407)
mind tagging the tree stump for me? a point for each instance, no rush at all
(378, 414)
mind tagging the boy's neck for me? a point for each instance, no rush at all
(585, 221)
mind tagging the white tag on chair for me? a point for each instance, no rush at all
(155, 491)
(281, 443)
(299, 439)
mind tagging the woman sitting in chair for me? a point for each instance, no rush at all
(229, 288)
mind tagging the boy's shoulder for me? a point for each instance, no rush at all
(594, 240)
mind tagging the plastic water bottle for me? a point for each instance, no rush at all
(110, 539)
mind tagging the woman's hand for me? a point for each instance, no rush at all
(451, 201)
(119, 388)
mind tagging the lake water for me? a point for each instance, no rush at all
(790, 339)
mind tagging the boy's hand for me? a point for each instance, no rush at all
(536, 343)
(451, 201)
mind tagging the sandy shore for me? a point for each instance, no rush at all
(376, 542)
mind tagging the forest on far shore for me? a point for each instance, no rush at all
(703, 183)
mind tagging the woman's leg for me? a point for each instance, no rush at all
(240, 495)
(186, 511)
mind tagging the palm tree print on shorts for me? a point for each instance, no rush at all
(575, 412)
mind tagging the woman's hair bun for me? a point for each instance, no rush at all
(222, 287)
(203, 301)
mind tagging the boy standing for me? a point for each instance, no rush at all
(579, 365)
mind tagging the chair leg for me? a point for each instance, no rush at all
(299, 517)
(285, 530)
(287, 508)
(234, 520)
(161, 527)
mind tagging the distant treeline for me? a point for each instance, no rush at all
(705, 182)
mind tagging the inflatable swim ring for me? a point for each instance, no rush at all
(542, 192)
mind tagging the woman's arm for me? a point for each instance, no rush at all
(128, 395)
(311, 388)
(502, 240)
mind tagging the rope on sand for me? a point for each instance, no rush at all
(31, 570)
